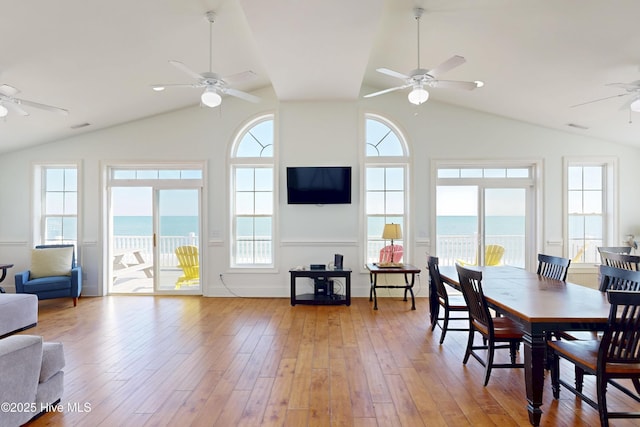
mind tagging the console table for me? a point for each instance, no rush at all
(407, 269)
(312, 298)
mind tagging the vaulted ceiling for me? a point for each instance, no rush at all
(99, 59)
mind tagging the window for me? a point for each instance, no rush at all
(252, 177)
(56, 206)
(385, 183)
(589, 208)
(485, 208)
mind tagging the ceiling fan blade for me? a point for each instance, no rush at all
(8, 90)
(239, 94)
(452, 84)
(15, 108)
(447, 65)
(392, 73)
(240, 77)
(600, 99)
(43, 106)
(179, 65)
(382, 92)
(162, 86)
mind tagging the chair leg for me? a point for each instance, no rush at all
(445, 325)
(487, 372)
(467, 353)
(601, 385)
(555, 374)
(579, 378)
(75, 301)
(636, 384)
(513, 347)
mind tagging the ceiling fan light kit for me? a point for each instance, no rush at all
(635, 106)
(210, 98)
(214, 85)
(419, 78)
(418, 95)
(3, 111)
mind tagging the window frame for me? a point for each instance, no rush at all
(400, 161)
(39, 198)
(235, 163)
(610, 220)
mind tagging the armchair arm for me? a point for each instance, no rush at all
(76, 281)
(21, 278)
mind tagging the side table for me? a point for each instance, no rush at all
(409, 272)
(4, 268)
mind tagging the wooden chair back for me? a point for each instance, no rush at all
(614, 250)
(553, 267)
(624, 261)
(613, 278)
(436, 279)
(621, 340)
(471, 286)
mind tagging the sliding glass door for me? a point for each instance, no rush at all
(154, 231)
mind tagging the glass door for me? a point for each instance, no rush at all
(479, 225)
(131, 237)
(154, 241)
(178, 241)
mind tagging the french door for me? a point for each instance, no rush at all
(154, 243)
(484, 219)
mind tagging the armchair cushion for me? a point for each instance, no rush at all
(51, 262)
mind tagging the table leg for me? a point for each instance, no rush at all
(534, 362)
(373, 289)
(348, 291)
(410, 287)
(293, 289)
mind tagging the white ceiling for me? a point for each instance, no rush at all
(537, 58)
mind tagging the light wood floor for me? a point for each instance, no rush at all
(179, 361)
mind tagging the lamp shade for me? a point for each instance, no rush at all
(392, 232)
(418, 95)
(211, 98)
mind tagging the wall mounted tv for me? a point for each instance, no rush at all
(319, 185)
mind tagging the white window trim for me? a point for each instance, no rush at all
(611, 236)
(232, 163)
(37, 201)
(404, 161)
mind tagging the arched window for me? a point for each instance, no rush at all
(252, 198)
(385, 181)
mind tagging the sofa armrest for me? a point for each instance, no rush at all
(76, 281)
(22, 278)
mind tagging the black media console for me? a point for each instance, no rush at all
(324, 288)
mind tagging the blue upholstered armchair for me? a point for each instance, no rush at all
(53, 274)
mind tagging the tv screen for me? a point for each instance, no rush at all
(319, 185)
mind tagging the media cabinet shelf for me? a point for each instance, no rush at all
(312, 299)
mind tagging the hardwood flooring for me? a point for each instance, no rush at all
(180, 361)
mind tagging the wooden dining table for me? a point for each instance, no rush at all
(538, 305)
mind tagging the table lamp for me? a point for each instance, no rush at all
(392, 232)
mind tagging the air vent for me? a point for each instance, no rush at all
(80, 125)
(577, 126)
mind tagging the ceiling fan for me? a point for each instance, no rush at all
(8, 101)
(632, 89)
(214, 85)
(419, 78)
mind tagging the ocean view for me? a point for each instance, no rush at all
(143, 225)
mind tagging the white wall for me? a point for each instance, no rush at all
(308, 133)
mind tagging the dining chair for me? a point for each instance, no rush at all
(614, 249)
(613, 278)
(553, 267)
(615, 356)
(494, 330)
(624, 261)
(449, 303)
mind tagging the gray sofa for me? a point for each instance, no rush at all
(31, 377)
(17, 312)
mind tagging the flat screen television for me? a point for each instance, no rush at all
(319, 185)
